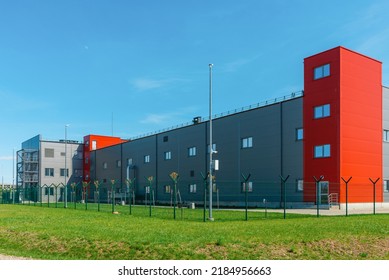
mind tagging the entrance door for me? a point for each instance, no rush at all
(323, 192)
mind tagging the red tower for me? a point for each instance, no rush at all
(94, 142)
(342, 111)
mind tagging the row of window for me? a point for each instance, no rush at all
(49, 153)
(49, 172)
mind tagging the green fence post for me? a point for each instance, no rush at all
(318, 192)
(245, 179)
(346, 182)
(284, 192)
(174, 176)
(150, 179)
(97, 184)
(113, 195)
(205, 194)
(130, 184)
(374, 182)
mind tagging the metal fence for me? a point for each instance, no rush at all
(251, 199)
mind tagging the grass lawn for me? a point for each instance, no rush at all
(58, 233)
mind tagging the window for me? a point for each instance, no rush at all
(167, 188)
(86, 160)
(49, 153)
(165, 138)
(322, 111)
(191, 173)
(322, 151)
(192, 151)
(147, 189)
(49, 191)
(386, 135)
(321, 71)
(129, 162)
(192, 188)
(249, 186)
(105, 165)
(118, 163)
(299, 185)
(49, 172)
(62, 172)
(147, 159)
(299, 134)
(94, 145)
(386, 185)
(168, 155)
(213, 148)
(63, 154)
(247, 142)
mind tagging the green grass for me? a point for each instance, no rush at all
(58, 233)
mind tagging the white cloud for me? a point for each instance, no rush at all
(156, 119)
(236, 64)
(143, 84)
(6, 158)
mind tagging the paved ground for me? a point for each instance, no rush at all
(333, 211)
(5, 257)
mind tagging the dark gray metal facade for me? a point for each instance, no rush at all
(274, 152)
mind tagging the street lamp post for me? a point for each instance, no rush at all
(65, 173)
(210, 143)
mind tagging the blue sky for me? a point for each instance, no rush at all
(144, 64)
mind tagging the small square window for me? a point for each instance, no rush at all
(299, 134)
(147, 158)
(322, 151)
(247, 142)
(322, 111)
(192, 188)
(168, 155)
(165, 138)
(386, 135)
(192, 151)
(49, 172)
(299, 185)
(321, 71)
(249, 186)
(62, 172)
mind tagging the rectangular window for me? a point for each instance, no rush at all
(322, 151)
(62, 172)
(192, 151)
(192, 188)
(191, 173)
(165, 138)
(386, 135)
(299, 134)
(118, 163)
(299, 185)
(147, 159)
(49, 191)
(94, 145)
(147, 189)
(168, 155)
(86, 160)
(322, 111)
(49, 172)
(63, 154)
(105, 165)
(321, 71)
(49, 153)
(213, 148)
(386, 185)
(247, 142)
(249, 186)
(167, 188)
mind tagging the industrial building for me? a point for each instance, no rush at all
(334, 131)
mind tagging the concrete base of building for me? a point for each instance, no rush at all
(367, 205)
